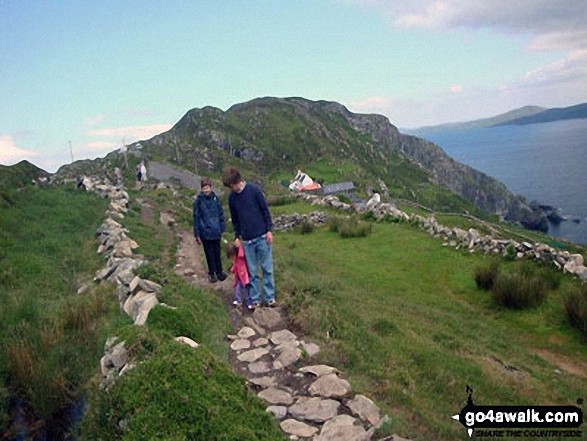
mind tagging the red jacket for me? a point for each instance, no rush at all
(239, 269)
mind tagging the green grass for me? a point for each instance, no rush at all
(179, 394)
(402, 316)
(51, 337)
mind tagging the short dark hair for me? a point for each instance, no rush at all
(205, 181)
(231, 177)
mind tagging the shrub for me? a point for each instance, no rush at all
(485, 276)
(510, 253)
(305, 227)
(349, 227)
(518, 290)
(576, 307)
(368, 216)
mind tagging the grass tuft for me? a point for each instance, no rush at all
(575, 303)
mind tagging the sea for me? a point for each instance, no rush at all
(546, 162)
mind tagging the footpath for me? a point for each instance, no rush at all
(310, 401)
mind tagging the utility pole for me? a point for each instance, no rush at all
(124, 150)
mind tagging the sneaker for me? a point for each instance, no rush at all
(221, 276)
(235, 303)
(272, 303)
(212, 278)
(253, 306)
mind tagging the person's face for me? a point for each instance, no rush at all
(235, 188)
(207, 190)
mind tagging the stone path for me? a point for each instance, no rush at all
(311, 401)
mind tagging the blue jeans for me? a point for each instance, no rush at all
(259, 252)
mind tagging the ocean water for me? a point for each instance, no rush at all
(545, 162)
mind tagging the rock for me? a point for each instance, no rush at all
(279, 337)
(375, 199)
(276, 396)
(118, 355)
(134, 284)
(314, 409)
(106, 365)
(142, 304)
(264, 382)
(310, 348)
(252, 355)
(318, 370)
(122, 249)
(342, 428)
(330, 386)
(365, 408)
(260, 342)
(127, 367)
(298, 428)
(287, 357)
(287, 345)
(240, 344)
(246, 332)
(148, 286)
(248, 321)
(278, 412)
(259, 367)
(268, 318)
(187, 341)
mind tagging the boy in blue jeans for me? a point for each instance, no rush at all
(252, 230)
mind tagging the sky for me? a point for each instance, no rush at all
(79, 79)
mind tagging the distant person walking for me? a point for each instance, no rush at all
(139, 172)
(252, 229)
(143, 172)
(209, 225)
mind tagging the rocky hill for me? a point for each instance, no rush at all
(272, 137)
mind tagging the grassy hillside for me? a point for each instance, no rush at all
(403, 318)
(50, 335)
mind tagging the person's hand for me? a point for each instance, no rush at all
(198, 240)
(270, 238)
(237, 243)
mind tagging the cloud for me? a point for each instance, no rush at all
(456, 88)
(552, 24)
(131, 133)
(10, 153)
(571, 68)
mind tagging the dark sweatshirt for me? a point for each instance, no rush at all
(208, 217)
(250, 213)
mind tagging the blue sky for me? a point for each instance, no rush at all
(102, 73)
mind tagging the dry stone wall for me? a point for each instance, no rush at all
(458, 238)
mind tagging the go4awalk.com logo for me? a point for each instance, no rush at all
(521, 421)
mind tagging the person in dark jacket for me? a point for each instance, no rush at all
(209, 225)
(252, 229)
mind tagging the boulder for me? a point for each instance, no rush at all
(330, 386)
(276, 396)
(298, 428)
(314, 409)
